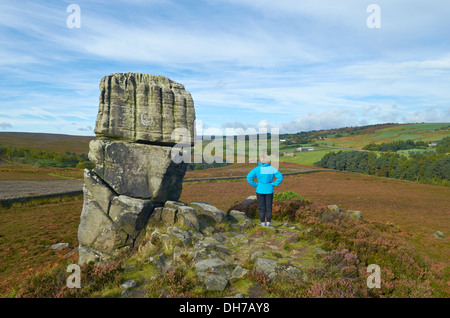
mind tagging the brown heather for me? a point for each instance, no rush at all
(399, 219)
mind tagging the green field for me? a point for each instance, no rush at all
(424, 132)
(47, 142)
(355, 139)
(400, 218)
(307, 158)
(408, 151)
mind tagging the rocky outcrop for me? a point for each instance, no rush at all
(134, 172)
(197, 215)
(108, 221)
(333, 212)
(438, 234)
(138, 170)
(208, 212)
(219, 257)
(143, 108)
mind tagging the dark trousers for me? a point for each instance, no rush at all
(265, 206)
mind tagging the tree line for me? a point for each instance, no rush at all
(431, 168)
(44, 158)
(397, 145)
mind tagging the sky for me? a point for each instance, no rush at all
(295, 65)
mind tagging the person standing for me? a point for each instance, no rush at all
(264, 174)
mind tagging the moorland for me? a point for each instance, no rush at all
(412, 211)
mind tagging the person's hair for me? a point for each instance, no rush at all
(263, 158)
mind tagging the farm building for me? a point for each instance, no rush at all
(305, 149)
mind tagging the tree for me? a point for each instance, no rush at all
(412, 173)
(443, 146)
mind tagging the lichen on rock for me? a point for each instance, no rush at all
(136, 128)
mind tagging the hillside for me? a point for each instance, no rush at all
(47, 142)
(358, 137)
(399, 220)
(347, 137)
(414, 152)
(413, 211)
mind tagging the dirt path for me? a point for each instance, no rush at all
(14, 189)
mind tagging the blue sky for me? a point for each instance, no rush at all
(288, 64)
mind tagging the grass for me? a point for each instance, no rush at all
(418, 208)
(26, 230)
(425, 132)
(47, 142)
(307, 158)
(241, 170)
(27, 173)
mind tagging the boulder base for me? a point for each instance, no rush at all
(138, 170)
(140, 118)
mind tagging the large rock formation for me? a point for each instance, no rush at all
(134, 171)
(144, 108)
(137, 170)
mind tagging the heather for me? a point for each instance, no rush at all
(51, 283)
(432, 168)
(333, 250)
(352, 245)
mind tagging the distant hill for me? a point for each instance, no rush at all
(47, 142)
(358, 137)
(347, 137)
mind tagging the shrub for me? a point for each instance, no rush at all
(174, 283)
(52, 283)
(251, 210)
(332, 288)
(352, 245)
(286, 195)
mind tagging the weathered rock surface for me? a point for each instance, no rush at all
(208, 212)
(237, 215)
(334, 212)
(219, 258)
(129, 284)
(354, 214)
(97, 230)
(174, 212)
(59, 246)
(143, 108)
(108, 221)
(130, 214)
(439, 234)
(266, 266)
(138, 170)
(187, 217)
(214, 272)
(134, 171)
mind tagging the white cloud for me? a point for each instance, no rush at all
(334, 118)
(287, 63)
(371, 114)
(5, 125)
(86, 129)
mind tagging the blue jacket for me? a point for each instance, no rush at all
(264, 174)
